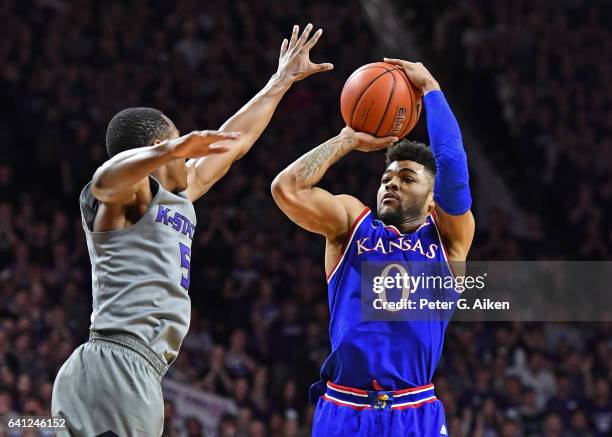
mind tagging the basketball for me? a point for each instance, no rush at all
(379, 99)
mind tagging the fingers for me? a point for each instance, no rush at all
(375, 142)
(208, 149)
(294, 36)
(208, 137)
(283, 48)
(371, 138)
(312, 41)
(389, 140)
(218, 148)
(304, 35)
(383, 142)
(400, 62)
(323, 67)
(394, 61)
(218, 135)
(296, 42)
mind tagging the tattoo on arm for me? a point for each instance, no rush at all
(318, 160)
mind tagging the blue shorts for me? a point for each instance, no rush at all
(345, 411)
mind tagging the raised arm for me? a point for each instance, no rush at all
(294, 64)
(451, 189)
(313, 208)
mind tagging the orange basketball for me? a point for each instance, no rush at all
(379, 99)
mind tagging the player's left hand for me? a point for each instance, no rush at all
(365, 142)
(294, 61)
(417, 73)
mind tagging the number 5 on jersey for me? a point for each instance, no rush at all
(185, 264)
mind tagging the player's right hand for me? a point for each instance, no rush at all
(365, 142)
(197, 144)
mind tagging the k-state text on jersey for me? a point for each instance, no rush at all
(178, 221)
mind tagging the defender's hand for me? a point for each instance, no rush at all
(365, 142)
(200, 143)
(418, 74)
(294, 61)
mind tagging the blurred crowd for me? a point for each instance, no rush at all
(259, 321)
(533, 73)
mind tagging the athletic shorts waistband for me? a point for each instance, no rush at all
(379, 399)
(134, 344)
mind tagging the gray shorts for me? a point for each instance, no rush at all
(111, 386)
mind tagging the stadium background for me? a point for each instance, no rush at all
(529, 80)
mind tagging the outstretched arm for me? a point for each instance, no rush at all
(251, 120)
(118, 180)
(313, 208)
(451, 190)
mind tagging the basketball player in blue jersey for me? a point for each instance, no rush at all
(377, 379)
(139, 221)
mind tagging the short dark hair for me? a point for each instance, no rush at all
(406, 150)
(135, 127)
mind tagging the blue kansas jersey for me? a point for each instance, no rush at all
(389, 355)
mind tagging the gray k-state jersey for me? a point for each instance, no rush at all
(140, 275)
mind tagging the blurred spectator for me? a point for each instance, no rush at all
(538, 376)
(217, 378)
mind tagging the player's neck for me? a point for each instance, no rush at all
(410, 224)
(163, 176)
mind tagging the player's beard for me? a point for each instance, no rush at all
(406, 211)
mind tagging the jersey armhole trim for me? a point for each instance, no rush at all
(154, 200)
(444, 252)
(348, 242)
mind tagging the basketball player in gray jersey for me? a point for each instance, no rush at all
(139, 221)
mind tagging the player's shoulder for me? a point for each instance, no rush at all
(355, 210)
(354, 207)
